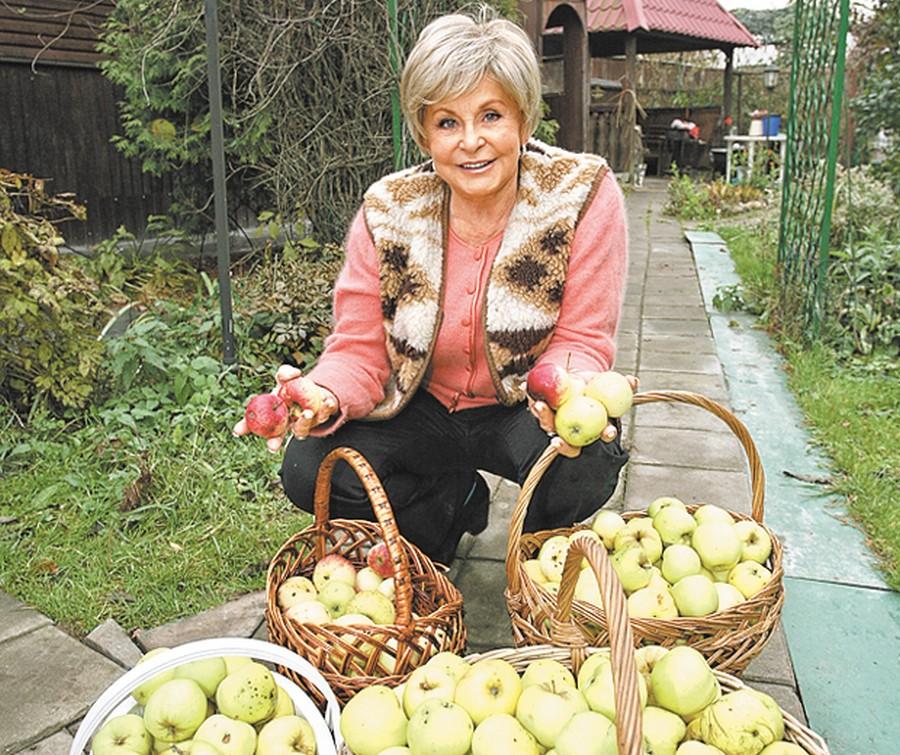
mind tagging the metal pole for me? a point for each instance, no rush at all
(218, 164)
(396, 121)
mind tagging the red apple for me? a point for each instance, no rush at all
(266, 415)
(549, 383)
(379, 560)
(303, 393)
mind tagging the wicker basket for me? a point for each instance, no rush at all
(429, 609)
(628, 708)
(729, 639)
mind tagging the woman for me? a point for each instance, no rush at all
(461, 274)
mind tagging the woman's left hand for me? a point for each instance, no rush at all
(546, 418)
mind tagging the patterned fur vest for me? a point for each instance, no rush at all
(407, 216)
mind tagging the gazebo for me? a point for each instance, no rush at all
(580, 30)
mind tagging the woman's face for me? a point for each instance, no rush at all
(474, 141)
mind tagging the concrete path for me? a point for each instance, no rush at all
(48, 680)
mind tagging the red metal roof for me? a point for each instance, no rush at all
(703, 19)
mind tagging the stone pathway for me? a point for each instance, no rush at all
(48, 680)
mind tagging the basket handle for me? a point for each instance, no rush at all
(326, 727)
(621, 642)
(757, 475)
(384, 515)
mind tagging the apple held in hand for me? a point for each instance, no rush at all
(549, 383)
(122, 735)
(267, 415)
(303, 393)
(580, 421)
(373, 720)
(612, 390)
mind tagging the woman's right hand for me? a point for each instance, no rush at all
(301, 422)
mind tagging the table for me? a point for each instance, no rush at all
(750, 142)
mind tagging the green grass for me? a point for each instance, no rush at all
(852, 408)
(202, 530)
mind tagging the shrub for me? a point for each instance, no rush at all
(697, 200)
(50, 313)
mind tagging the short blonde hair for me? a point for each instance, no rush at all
(455, 52)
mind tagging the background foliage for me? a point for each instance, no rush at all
(307, 100)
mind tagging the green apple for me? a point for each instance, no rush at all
(288, 735)
(657, 580)
(663, 502)
(547, 671)
(683, 682)
(427, 682)
(645, 658)
(552, 557)
(674, 525)
(533, 569)
(580, 420)
(295, 590)
(709, 513)
(720, 575)
(652, 603)
(175, 710)
(743, 721)
(386, 588)
(228, 735)
(308, 612)
(756, 545)
(122, 735)
(450, 662)
(782, 748)
(632, 567)
(717, 545)
(367, 579)
(600, 692)
(374, 604)
(491, 686)
(545, 709)
(590, 667)
(207, 672)
(373, 720)
(203, 748)
(679, 561)
(284, 705)
(607, 524)
(335, 595)
(695, 596)
(591, 535)
(729, 595)
(662, 730)
(142, 692)
(397, 750)
(587, 733)
(640, 531)
(503, 733)
(611, 389)
(333, 567)
(698, 748)
(749, 577)
(234, 662)
(249, 694)
(440, 727)
(182, 748)
(587, 588)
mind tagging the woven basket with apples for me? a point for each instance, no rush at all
(695, 574)
(211, 697)
(573, 700)
(355, 598)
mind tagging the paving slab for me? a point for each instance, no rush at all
(665, 361)
(16, 618)
(666, 326)
(668, 414)
(711, 386)
(113, 641)
(730, 490)
(773, 664)
(482, 583)
(688, 448)
(237, 618)
(678, 344)
(47, 680)
(56, 744)
(675, 310)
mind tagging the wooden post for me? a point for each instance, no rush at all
(629, 111)
(728, 83)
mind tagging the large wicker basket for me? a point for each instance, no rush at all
(429, 610)
(729, 639)
(572, 653)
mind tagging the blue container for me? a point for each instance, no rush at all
(771, 125)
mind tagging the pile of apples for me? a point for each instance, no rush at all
(582, 409)
(452, 707)
(229, 705)
(670, 562)
(339, 594)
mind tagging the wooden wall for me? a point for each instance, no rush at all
(59, 113)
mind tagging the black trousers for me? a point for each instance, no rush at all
(427, 457)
